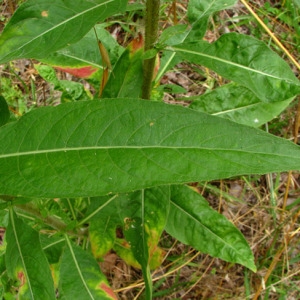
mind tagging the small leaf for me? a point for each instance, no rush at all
(239, 104)
(103, 218)
(198, 14)
(71, 91)
(40, 27)
(246, 61)
(193, 222)
(126, 78)
(80, 275)
(173, 35)
(26, 262)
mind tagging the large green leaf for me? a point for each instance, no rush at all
(80, 276)
(247, 61)
(192, 221)
(239, 104)
(26, 262)
(40, 27)
(119, 145)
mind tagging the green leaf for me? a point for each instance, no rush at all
(26, 262)
(40, 27)
(4, 111)
(193, 222)
(71, 90)
(198, 13)
(83, 58)
(173, 35)
(91, 148)
(103, 218)
(239, 104)
(127, 76)
(52, 246)
(247, 61)
(200, 9)
(144, 218)
(80, 275)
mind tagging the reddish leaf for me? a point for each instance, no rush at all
(136, 44)
(83, 72)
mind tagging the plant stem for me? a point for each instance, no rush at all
(51, 221)
(151, 32)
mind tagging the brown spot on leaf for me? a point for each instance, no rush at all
(44, 13)
(21, 277)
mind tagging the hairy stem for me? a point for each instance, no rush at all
(151, 32)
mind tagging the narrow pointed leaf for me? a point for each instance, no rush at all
(137, 237)
(40, 27)
(247, 61)
(80, 276)
(91, 148)
(192, 221)
(26, 262)
(126, 77)
(145, 216)
(239, 104)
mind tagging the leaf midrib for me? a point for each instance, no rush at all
(203, 226)
(230, 63)
(20, 252)
(61, 24)
(58, 150)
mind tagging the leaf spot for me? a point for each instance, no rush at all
(21, 277)
(128, 223)
(44, 13)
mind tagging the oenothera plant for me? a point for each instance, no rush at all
(75, 174)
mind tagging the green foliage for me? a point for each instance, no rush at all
(4, 111)
(123, 160)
